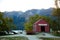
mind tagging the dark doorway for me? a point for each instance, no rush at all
(42, 28)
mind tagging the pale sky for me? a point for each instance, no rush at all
(23, 5)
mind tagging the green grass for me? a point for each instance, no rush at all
(50, 38)
(57, 34)
(13, 38)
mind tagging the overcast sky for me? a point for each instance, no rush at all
(23, 5)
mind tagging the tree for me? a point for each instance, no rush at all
(6, 23)
(56, 13)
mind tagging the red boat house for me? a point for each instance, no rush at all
(41, 26)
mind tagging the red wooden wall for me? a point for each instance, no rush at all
(37, 28)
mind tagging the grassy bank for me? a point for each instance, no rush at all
(51, 39)
(13, 38)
